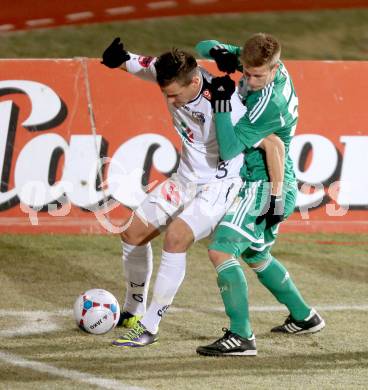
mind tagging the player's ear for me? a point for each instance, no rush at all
(275, 67)
(196, 80)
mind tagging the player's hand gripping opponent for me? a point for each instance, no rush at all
(115, 55)
(221, 90)
(273, 212)
(225, 61)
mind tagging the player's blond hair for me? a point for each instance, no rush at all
(261, 49)
(175, 65)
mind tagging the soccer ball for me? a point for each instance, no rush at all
(96, 311)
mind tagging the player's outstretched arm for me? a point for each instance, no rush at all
(222, 89)
(115, 56)
(203, 48)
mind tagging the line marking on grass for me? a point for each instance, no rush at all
(33, 322)
(69, 374)
(273, 308)
(43, 321)
(318, 307)
(39, 321)
(39, 315)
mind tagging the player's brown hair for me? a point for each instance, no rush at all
(175, 65)
(261, 49)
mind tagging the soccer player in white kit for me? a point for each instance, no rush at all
(189, 204)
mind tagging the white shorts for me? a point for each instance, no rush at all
(201, 206)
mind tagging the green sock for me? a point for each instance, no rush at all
(275, 277)
(234, 292)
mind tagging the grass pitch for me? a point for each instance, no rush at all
(41, 348)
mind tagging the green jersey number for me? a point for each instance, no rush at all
(290, 97)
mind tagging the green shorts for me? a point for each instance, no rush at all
(239, 235)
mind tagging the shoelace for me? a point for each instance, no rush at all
(288, 320)
(225, 336)
(137, 331)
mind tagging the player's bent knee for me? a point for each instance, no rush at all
(258, 264)
(177, 241)
(137, 233)
(130, 238)
(256, 259)
(217, 257)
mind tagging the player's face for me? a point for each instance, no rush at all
(179, 95)
(260, 76)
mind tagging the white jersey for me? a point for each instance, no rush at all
(200, 160)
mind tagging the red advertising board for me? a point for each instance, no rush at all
(58, 117)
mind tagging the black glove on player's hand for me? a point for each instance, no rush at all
(273, 213)
(226, 61)
(221, 90)
(115, 55)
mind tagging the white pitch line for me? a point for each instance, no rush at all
(69, 374)
(21, 313)
(274, 308)
(33, 322)
(317, 307)
(36, 322)
(105, 383)
(362, 307)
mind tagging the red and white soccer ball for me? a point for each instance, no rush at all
(96, 311)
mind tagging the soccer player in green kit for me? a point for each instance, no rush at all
(250, 227)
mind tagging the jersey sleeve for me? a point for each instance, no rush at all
(257, 125)
(142, 67)
(203, 48)
(230, 145)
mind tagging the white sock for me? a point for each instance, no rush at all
(137, 266)
(169, 278)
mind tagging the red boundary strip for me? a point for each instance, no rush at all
(323, 242)
(25, 14)
(91, 226)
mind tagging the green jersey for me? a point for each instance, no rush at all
(271, 110)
